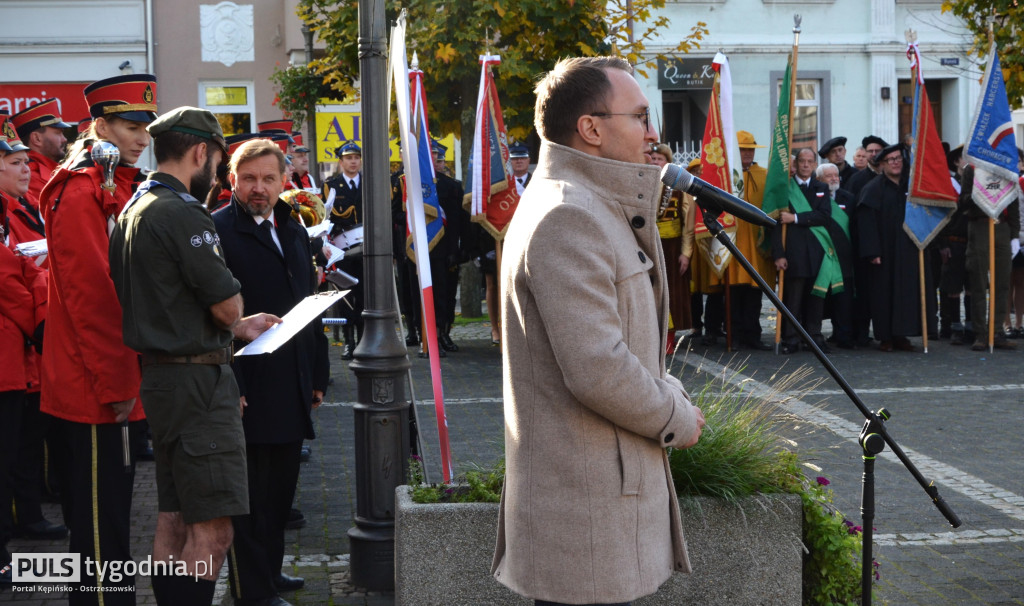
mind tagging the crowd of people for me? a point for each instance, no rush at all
(870, 288)
(117, 341)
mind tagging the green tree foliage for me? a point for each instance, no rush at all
(1007, 18)
(529, 35)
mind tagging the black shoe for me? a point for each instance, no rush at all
(446, 343)
(786, 348)
(6, 576)
(708, 340)
(295, 520)
(287, 583)
(43, 530)
(758, 345)
(346, 352)
(846, 345)
(304, 453)
(821, 345)
(411, 339)
(146, 454)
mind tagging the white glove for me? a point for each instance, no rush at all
(1014, 247)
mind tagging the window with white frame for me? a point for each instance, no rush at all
(232, 102)
(811, 107)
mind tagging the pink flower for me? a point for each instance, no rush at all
(823, 481)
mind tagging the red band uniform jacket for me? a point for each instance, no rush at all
(86, 364)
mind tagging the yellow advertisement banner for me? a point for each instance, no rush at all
(334, 129)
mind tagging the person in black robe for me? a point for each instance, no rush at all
(892, 257)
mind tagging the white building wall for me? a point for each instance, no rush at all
(860, 45)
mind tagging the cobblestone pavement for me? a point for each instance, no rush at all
(956, 413)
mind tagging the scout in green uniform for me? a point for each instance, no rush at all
(182, 308)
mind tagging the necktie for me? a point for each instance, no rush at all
(352, 183)
(521, 181)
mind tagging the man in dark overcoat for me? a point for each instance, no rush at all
(269, 254)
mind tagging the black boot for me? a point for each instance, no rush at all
(412, 339)
(350, 342)
(445, 340)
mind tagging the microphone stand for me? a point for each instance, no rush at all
(873, 436)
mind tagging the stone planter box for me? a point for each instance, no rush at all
(746, 554)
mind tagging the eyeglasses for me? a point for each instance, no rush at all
(894, 160)
(644, 117)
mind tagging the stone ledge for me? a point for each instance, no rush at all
(745, 554)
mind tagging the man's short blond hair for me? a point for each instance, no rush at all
(256, 148)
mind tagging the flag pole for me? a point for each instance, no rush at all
(924, 311)
(911, 37)
(789, 149)
(991, 238)
(991, 283)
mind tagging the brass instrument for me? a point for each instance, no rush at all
(307, 208)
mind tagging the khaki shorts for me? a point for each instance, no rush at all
(198, 441)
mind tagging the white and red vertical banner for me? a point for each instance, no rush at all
(414, 168)
(491, 196)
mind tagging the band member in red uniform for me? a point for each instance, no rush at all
(41, 129)
(20, 319)
(90, 377)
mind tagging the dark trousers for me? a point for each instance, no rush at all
(713, 310)
(352, 307)
(11, 405)
(408, 293)
(258, 550)
(840, 309)
(745, 313)
(28, 471)
(953, 282)
(91, 470)
(807, 308)
(862, 302)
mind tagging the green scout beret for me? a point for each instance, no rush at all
(192, 121)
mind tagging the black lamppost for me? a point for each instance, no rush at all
(381, 360)
(311, 139)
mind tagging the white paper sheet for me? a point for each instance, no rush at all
(295, 320)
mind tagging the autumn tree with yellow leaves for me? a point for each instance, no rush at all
(1007, 19)
(529, 35)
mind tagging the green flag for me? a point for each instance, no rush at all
(781, 192)
(778, 187)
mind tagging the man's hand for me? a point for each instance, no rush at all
(781, 264)
(122, 409)
(318, 398)
(684, 264)
(787, 217)
(253, 326)
(945, 254)
(700, 429)
(241, 406)
(876, 261)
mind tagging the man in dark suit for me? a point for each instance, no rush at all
(519, 155)
(270, 255)
(346, 214)
(801, 254)
(839, 306)
(450, 252)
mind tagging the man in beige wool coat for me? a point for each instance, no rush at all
(589, 512)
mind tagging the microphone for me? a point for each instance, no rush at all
(713, 199)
